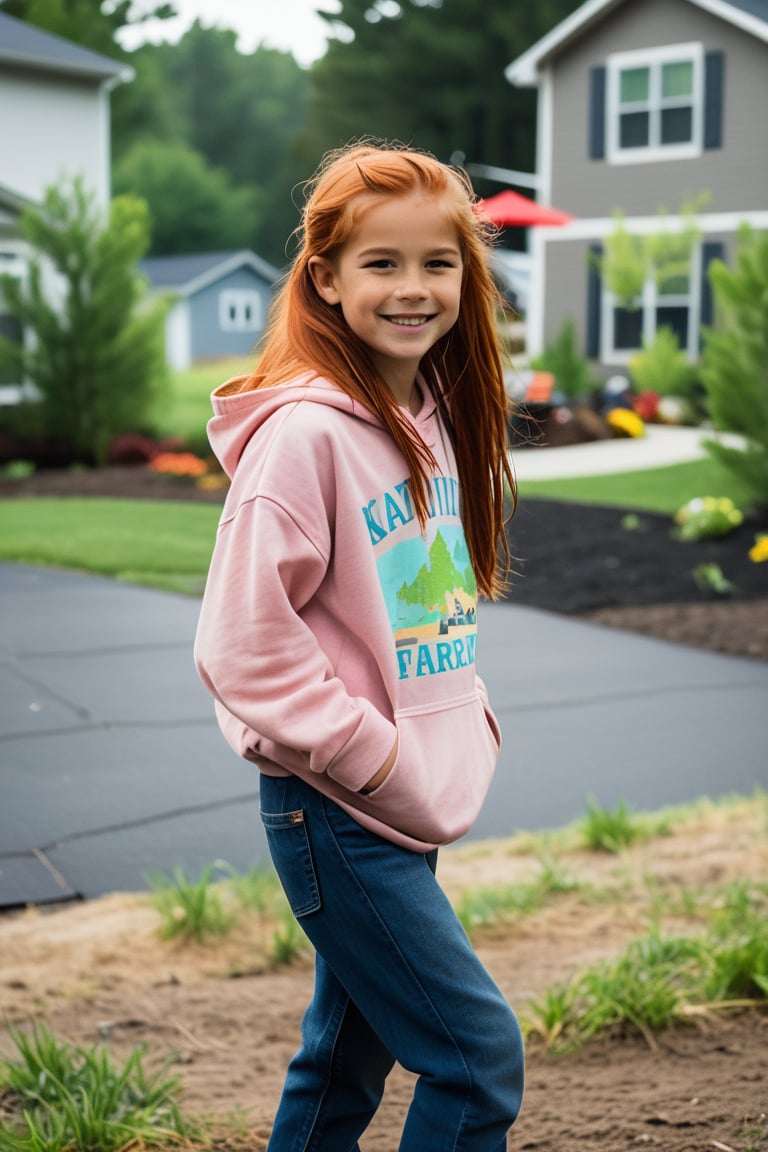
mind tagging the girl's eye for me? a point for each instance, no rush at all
(383, 263)
(439, 264)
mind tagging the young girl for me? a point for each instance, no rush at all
(337, 636)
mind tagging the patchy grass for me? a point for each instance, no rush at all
(64, 1097)
(661, 979)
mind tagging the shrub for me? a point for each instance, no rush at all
(567, 365)
(734, 368)
(95, 348)
(707, 516)
(662, 367)
(135, 448)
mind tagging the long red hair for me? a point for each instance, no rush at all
(463, 369)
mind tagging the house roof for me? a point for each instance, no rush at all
(23, 44)
(13, 202)
(189, 273)
(749, 15)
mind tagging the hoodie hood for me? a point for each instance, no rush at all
(239, 414)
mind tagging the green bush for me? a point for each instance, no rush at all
(663, 367)
(734, 368)
(564, 360)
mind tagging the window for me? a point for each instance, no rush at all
(655, 104)
(240, 311)
(671, 303)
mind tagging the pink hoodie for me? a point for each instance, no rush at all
(330, 625)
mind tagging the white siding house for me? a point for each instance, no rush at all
(54, 124)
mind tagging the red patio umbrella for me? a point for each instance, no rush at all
(509, 209)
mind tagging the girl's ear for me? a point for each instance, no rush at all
(324, 279)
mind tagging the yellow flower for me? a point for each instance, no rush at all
(626, 423)
(759, 550)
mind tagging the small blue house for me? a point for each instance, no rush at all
(219, 303)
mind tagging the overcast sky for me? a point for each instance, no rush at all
(291, 25)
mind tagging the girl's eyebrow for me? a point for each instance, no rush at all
(448, 250)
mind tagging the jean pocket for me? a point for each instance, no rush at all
(291, 854)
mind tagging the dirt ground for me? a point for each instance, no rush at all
(99, 972)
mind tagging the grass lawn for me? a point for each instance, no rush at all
(189, 406)
(162, 544)
(655, 490)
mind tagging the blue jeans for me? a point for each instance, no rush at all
(395, 979)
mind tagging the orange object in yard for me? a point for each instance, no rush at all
(540, 389)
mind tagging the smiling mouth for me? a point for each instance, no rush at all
(408, 321)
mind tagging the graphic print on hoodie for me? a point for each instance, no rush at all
(427, 581)
(332, 626)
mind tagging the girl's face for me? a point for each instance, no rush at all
(397, 279)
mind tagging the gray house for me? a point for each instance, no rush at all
(54, 123)
(643, 105)
(219, 303)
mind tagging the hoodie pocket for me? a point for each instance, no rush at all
(444, 767)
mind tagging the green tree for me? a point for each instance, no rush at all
(444, 574)
(240, 112)
(193, 208)
(734, 367)
(148, 108)
(243, 113)
(94, 346)
(629, 259)
(430, 72)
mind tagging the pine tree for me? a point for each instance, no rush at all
(93, 346)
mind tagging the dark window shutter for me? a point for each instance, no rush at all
(594, 300)
(597, 113)
(714, 95)
(712, 250)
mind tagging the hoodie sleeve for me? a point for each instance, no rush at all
(259, 659)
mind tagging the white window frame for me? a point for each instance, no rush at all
(653, 59)
(238, 300)
(649, 303)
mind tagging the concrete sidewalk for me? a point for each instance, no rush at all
(660, 446)
(111, 765)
